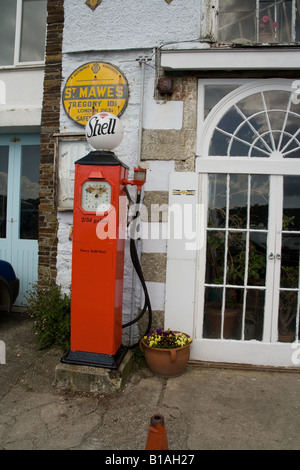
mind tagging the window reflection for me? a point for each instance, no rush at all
(259, 201)
(30, 192)
(259, 126)
(33, 30)
(288, 307)
(214, 94)
(238, 201)
(252, 322)
(236, 248)
(217, 200)
(3, 189)
(29, 28)
(288, 317)
(7, 31)
(291, 203)
(237, 21)
(267, 22)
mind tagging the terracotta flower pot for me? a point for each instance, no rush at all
(166, 362)
(266, 37)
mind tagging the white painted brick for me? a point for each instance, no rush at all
(156, 291)
(158, 175)
(132, 24)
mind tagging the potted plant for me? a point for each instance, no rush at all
(267, 29)
(166, 352)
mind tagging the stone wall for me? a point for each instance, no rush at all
(50, 125)
(160, 146)
(169, 132)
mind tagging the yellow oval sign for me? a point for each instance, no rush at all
(94, 88)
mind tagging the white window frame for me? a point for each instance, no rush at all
(284, 166)
(209, 24)
(209, 20)
(17, 48)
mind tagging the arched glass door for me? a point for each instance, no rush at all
(249, 284)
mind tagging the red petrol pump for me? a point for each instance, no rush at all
(99, 223)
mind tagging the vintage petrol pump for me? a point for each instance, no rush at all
(99, 224)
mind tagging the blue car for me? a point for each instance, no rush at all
(9, 286)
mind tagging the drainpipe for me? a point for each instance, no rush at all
(142, 62)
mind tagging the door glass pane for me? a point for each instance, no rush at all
(215, 257)
(298, 23)
(30, 192)
(288, 315)
(4, 150)
(236, 243)
(238, 201)
(33, 30)
(217, 200)
(288, 308)
(259, 201)
(213, 313)
(236, 249)
(291, 203)
(251, 324)
(7, 31)
(257, 253)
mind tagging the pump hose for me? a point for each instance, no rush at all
(137, 266)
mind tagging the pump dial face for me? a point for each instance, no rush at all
(95, 196)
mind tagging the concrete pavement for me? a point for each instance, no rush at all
(206, 408)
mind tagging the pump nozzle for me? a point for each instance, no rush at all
(139, 178)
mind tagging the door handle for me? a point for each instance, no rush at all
(272, 256)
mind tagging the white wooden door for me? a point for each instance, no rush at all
(248, 283)
(19, 199)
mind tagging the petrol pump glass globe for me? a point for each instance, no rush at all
(104, 131)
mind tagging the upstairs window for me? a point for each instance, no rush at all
(258, 21)
(22, 31)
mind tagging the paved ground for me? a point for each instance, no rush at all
(203, 409)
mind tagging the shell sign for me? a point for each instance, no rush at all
(94, 88)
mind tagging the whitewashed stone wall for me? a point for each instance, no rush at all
(129, 24)
(121, 33)
(157, 171)
(21, 105)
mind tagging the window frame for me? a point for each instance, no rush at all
(17, 46)
(206, 163)
(209, 25)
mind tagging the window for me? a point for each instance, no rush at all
(258, 21)
(260, 126)
(22, 31)
(265, 124)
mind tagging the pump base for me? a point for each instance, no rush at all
(107, 361)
